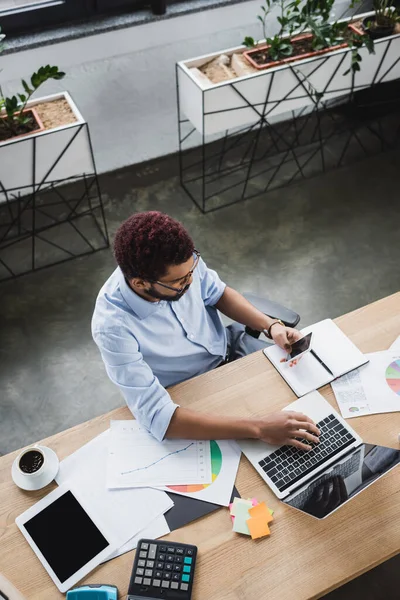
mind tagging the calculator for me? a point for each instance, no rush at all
(162, 571)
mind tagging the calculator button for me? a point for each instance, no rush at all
(171, 550)
(144, 546)
(165, 584)
(184, 587)
(138, 580)
(141, 563)
(178, 559)
(161, 557)
(189, 552)
(156, 583)
(139, 571)
(176, 577)
(170, 558)
(174, 585)
(180, 551)
(160, 565)
(168, 567)
(146, 581)
(148, 573)
(186, 569)
(188, 560)
(143, 554)
(150, 564)
(163, 548)
(152, 551)
(158, 574)
(178, 568)
(185, 578)
(167, 575)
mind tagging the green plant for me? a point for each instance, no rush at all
(355, 42)
(14, 106)
(288, 21)
(385, 16)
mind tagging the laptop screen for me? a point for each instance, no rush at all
(343, 480)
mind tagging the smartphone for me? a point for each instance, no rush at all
(300, 347)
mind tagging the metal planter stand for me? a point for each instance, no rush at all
(43, 223)
(268, 154)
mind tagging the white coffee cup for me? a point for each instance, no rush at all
(35, 467)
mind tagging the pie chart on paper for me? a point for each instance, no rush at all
(216, 464)
(393, 376)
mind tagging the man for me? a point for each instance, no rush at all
(156, 323)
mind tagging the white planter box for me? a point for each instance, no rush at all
(238, 102)
(22, 171)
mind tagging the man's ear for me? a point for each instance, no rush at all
(138, 283)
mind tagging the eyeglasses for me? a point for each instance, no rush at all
(183, 280)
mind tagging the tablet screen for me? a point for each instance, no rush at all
(66, 536)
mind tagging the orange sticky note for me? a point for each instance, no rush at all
(258, 527)
(261, 511)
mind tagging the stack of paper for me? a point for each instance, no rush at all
(132, 513)
(251, 517)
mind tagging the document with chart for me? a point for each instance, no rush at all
(137, 459)
(372, 389)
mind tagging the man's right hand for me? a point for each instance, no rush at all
(285, 427)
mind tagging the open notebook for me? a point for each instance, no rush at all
(332, 347)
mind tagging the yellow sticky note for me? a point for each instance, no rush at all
(261, 511)
(258, 527)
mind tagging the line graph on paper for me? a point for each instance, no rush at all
(137, 459)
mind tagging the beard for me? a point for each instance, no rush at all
(154, 294)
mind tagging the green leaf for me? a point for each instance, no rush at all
(22, 98)
(249, 42)
(35, 81)
(26, 87)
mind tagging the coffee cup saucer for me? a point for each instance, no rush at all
(50, 470)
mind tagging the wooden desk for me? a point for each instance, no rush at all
(303, 558)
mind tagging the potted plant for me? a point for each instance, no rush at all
(315, 35)
(46, 137)
(16, 119)
(277, 91)
(383, 23)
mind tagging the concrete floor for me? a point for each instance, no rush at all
(324, 247)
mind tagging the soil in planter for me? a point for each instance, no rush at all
(55, 113)
(300, 47)
(31, 126)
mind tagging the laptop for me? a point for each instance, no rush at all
(321, 480)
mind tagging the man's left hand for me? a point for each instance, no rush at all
(285, 336)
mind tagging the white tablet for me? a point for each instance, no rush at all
(65, 537)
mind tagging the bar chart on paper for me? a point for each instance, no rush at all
(137, 459)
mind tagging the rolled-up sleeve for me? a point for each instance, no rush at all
(147, 399)
(212, 287)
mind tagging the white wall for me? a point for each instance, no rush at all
(124, 81)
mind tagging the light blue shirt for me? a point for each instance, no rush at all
(147, 346)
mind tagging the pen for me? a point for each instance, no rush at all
(321, 362)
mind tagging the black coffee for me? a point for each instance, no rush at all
(31, 461)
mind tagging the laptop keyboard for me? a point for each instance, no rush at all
(287, 465)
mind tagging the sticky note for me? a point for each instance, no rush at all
(238, 505)
(261, 511)
(240, 525)
(258, 527)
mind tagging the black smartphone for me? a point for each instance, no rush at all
(300, 347)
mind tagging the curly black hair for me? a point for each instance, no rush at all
(148, 243)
